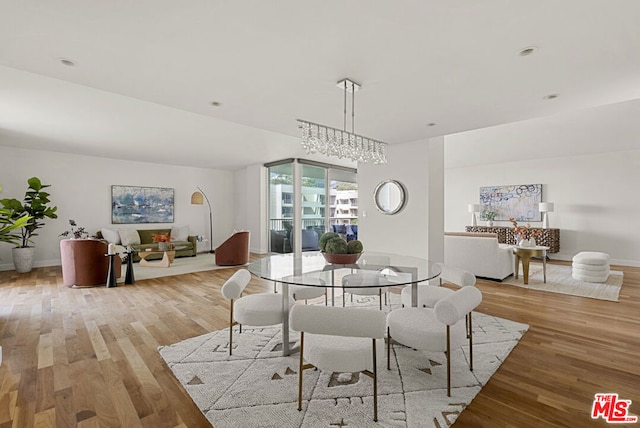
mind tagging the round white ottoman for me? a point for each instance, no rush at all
(590, 266)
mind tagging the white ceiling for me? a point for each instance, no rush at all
(147, 71)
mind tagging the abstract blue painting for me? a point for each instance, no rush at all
(134, 204)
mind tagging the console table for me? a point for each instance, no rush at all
(549, 237)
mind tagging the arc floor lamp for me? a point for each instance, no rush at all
(197, 199)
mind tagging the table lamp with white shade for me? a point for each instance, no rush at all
(544, 208)
(473, 209)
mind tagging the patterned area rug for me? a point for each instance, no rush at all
(257, 386)
(559, 280)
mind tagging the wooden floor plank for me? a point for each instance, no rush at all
(88, 357)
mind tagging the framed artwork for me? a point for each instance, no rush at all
(134, 204)
(518, 201)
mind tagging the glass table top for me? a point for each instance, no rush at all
(311, 269)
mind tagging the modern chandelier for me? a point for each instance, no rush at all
(341, 143)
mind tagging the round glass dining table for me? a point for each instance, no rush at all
(311, 269)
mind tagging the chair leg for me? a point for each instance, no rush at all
(275, 289)
(300, 370)
(470, 343)
(388, 348)
(448, 361)
(230, 326)
(380, 297)
(466, 324)
(343, 301)
(375, 384)
(326, 298)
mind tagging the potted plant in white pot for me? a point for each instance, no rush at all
(489, 215)
(34, 205)
(10, 225)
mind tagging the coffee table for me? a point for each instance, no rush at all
(167, 257)
(525, 254)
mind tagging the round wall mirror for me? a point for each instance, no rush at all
(390, 196)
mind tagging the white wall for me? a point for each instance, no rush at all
(595, 196)
(81, 189)
(417, 229)
(251, 199)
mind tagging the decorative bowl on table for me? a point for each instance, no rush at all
(342, 259)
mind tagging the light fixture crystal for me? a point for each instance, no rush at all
(330, 141)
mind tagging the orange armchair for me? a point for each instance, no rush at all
(234, 251)
(84, 262)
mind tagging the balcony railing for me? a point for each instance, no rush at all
(279, 223)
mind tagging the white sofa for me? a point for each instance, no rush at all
(479, 253)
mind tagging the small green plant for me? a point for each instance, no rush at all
(78, 232)
(489, 215)
(354, 247)
(336, 246)
(322, 242)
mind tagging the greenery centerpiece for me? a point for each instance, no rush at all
(336, 249)
(35, 206)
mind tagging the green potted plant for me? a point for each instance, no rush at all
(34, 205)
(10, 225)
(489, 215)
(337, 250)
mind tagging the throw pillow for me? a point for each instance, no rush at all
(111, 235)
(180, 233)
(129, 237)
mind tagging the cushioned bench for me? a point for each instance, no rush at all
(590, 266)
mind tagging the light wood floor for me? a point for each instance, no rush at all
(88, 357)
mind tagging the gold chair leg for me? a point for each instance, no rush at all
(300, 370)
(448, 361)
(375, 384)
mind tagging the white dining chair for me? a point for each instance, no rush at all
(260, 309)
(339, 340)
(365, 283)
(429, 295)
(438, 329)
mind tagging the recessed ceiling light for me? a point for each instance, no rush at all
(550, 97)
(67, 62)
(215, 103)
(527, 51)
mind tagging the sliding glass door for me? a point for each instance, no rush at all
(328, 201)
